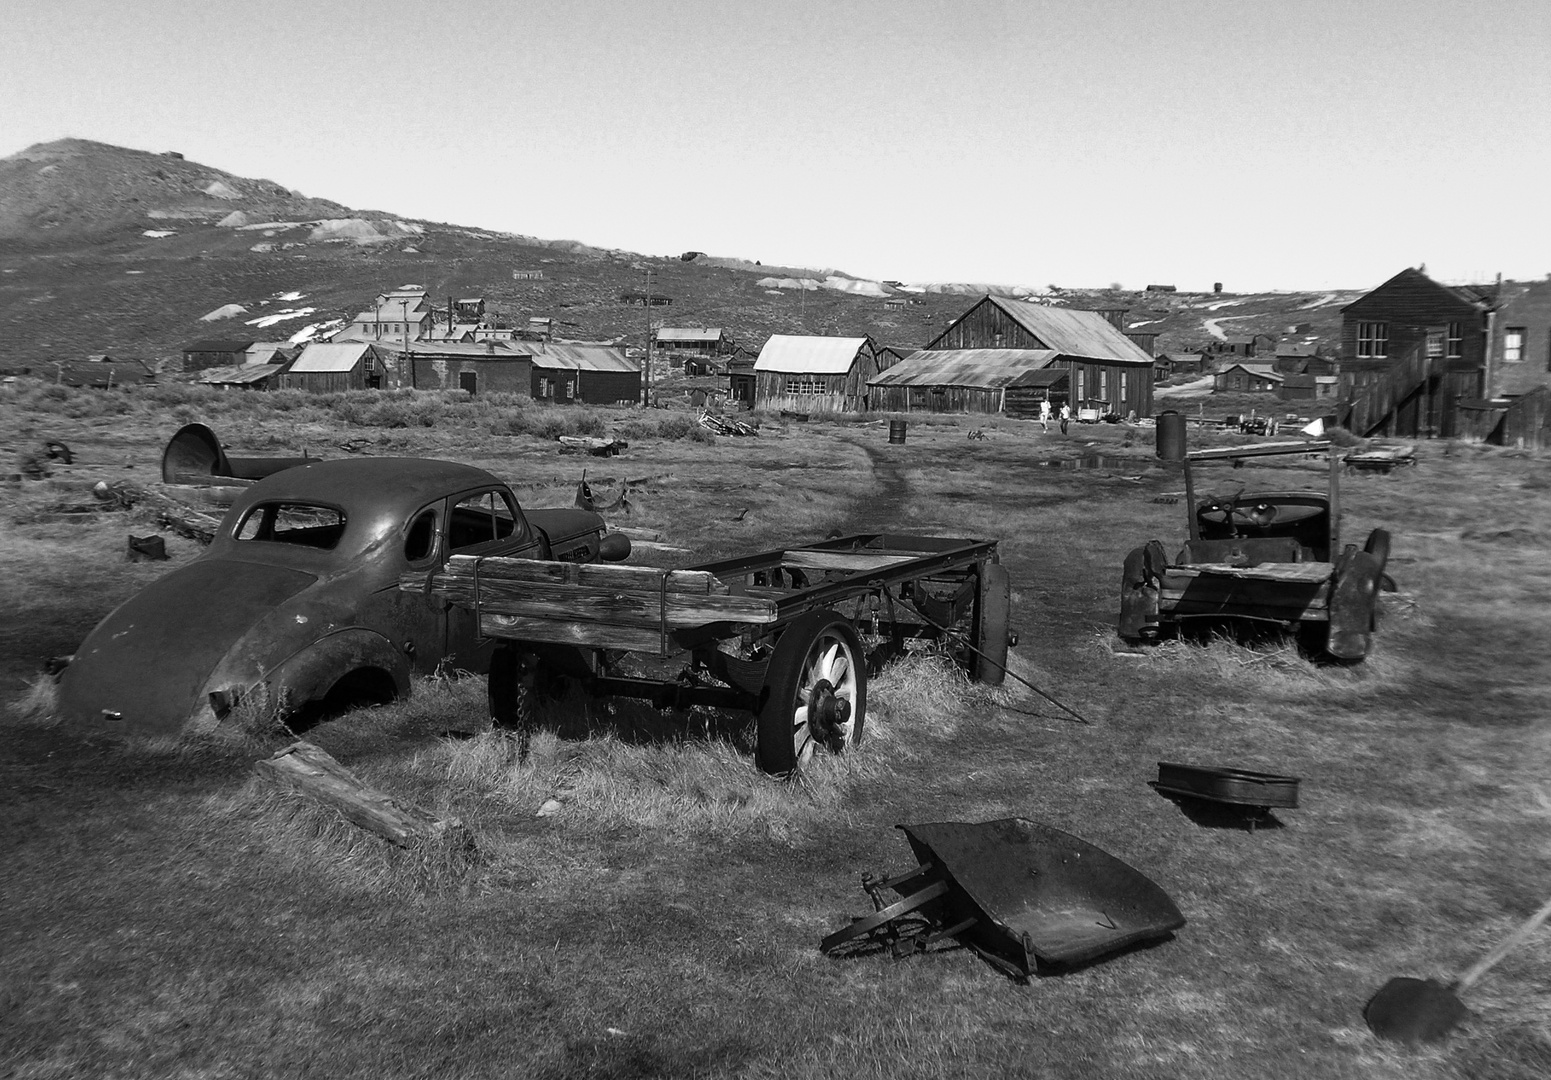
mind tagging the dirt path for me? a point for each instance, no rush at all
(891, 505)
(1216, 331)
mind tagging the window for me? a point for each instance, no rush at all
(420, 539)
(1373, 339)
(480, 519)
(1456, 340)
(918, 397)
(1434, 344)
(796, 385)
(1513, 344)
(1082, 383)
(293, 523)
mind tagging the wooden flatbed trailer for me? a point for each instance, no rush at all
(788, 635)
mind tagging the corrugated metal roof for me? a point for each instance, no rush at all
(330, 356)
(218, 345)
(1084, 334)
(493, 349)
(987, 369)
(803, 355)
(582, 358)
(690, 333)
(239, 374)
(1050, 376)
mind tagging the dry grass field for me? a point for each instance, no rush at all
(165, 917)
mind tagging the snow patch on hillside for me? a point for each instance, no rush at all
(226, 311)
(313, 330)
(158, 234)
(282, 316)
(220, 190)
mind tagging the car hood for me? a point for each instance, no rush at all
(144, 666)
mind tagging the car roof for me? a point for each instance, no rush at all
(378, 482)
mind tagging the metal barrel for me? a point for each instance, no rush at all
(1171, 435)
(897, 432)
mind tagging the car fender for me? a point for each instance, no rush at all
(306, 675)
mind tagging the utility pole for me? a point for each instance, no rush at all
(409, 357)
(646, 358)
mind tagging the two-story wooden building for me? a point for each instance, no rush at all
(1416, 347)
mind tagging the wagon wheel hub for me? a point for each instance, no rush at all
(827, 713)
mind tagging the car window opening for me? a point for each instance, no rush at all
(420, 541)
(301, 524)
(480, 519)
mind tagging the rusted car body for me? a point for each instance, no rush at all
(1271, 557)
(296, 604)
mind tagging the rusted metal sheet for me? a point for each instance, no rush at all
(1021, 894)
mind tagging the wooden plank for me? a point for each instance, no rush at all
(309, 770)
(1224, 453)
(584, 634)
(578, 603)
(595, 575)
(1305, 572)
(848, 560)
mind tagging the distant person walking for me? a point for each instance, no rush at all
(1044, 414)
(1066, 415)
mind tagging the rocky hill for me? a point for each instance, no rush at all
(111, 250)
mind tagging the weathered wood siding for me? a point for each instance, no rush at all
(512, 375)
(1023, 401)
(941, 399)
(1528, 423)
(986, 326)
(609, 387)
(1411, 304)
(1127, 387)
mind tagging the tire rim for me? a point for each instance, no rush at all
(825, 706)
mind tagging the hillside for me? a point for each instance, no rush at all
(111, 250)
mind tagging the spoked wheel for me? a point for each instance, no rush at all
(815, 692)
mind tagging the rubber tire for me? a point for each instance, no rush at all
(994, 617)
(776, 754)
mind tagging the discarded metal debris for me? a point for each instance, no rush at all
(1424, 1010)
(1019, 893)
(1381, 459)
(146, 549)
(1255, 793)
(195, 456)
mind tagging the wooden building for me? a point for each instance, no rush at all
(1247, 378)
(680, 342)
(242, 377)
(480, 367)
(959, 380)
(330, 367)
(741, 380)
(1430, 337)
(1103, 362)
(566, 373)
(396, 313)
(808, 374)
(1519, 359)
(216, 353)
(1307, 387)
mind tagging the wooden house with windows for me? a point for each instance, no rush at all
(1247, 379)
(1410, 349)
(678, 342)
(328, 367)
(963, 380)
(1519, 358)
(566, 373)
(396, 313)
(804, 373)
(1102, 361)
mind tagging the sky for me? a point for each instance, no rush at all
(1297, 144)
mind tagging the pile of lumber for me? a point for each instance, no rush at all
(726, 425)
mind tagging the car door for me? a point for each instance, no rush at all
(486, 521)
(414, 622)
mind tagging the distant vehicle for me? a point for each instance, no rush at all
(1094, 411)
(1269, 558)
(295, 608)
